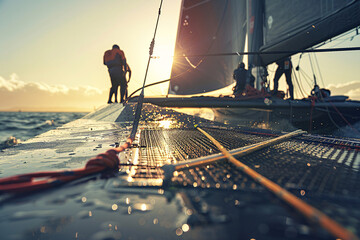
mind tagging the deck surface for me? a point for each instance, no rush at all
(214, 201)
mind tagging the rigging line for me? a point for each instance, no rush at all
(297, 82)
(312, 69)
(313, 72)
(141, 98)
(319, 70)
(307, 78)
(311, 213)
(272, 52)
(342, 116)
(149, 85)
(162, 81)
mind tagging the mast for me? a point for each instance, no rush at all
(255, 20)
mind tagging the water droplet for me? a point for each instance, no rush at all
(189, 212)
(143, 207)
(114, 207)
(179, 231)
(185, 227)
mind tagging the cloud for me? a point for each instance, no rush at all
(351, 89)
(17, 94)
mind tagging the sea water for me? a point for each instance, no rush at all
(16, 127)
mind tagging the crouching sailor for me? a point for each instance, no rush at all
(115, 60)
(243, 78)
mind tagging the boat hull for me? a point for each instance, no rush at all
(320, 117)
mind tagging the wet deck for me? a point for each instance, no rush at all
(215, 201)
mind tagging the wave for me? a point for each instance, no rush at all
(11, 141)
(24, 125)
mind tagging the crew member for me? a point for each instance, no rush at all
(284, 66)
(115, 60)
(242, 77)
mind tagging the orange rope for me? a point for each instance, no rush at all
(308, 211)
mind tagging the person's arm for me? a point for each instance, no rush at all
(125, 64)
(128, 70)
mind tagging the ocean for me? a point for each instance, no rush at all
(16, 127)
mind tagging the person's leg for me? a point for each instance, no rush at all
(122, 92)
(112, 89)
(110, 95)
(115, 75)
(290, 84)
(116, 87)
(278, 74)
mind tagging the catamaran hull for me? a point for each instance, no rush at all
(318, 116)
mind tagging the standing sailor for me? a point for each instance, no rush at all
(284, 66)
(115, 60)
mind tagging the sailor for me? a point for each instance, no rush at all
(242, 77)
(284, 66)
(115, 60)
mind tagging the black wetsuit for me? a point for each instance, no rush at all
(117, 77)
(240, 77)
(284, 66)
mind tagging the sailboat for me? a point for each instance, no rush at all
(211, 39)
(170, 178)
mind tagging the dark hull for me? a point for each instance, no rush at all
(318, 117)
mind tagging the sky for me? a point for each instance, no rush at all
(51, 52)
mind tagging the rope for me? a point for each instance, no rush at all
(342, 116)
(42, 180)
(313, 214)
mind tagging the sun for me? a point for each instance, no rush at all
(160, 68)
(163, 58)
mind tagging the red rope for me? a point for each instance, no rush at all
(342, 116)
(42, 180)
